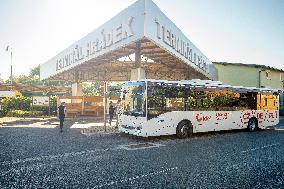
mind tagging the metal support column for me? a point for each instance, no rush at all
(105, 104)
(138, 55)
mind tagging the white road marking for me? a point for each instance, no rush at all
(50, 157)
(140, 146)
(255, 162)
(72, 154)
(138, 177)
(262, 147)
(36, 166)
(77, 125)
(279, 129)
(13, 171)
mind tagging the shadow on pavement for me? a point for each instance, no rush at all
(86, 126)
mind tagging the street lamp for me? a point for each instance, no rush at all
(7, 49)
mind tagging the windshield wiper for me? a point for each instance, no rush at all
(136, 114)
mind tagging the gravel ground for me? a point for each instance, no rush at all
(34, 154)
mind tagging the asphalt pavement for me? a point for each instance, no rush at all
(34, 154)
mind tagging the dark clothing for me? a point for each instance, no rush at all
(61, 124)
(111, 109)
(111, 112)
(61, 113)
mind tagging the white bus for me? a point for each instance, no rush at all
(158, 107)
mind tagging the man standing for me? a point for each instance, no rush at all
(61, 114)
(117, 112)
(111, 112)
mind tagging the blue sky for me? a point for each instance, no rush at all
(246, 31)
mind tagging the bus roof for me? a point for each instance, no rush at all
(197, 83)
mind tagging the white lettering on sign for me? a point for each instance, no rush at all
(180, 46)
(105, 40)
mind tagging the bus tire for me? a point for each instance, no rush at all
(252, 124)
(184, 129)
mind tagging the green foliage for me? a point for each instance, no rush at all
(26, 80)
(15, 103)
(22, 106)
(1, 80)
(34, 72)
(34, 79)
(23, 113)
(53, 105)
(115, 89)
(91, 89)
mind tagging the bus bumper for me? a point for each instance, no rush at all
(130, 130)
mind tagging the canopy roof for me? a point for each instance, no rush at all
(34, 88)
(142, 28)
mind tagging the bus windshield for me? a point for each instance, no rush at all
(133, 99)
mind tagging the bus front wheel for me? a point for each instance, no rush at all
(184, 129)
(252, 124)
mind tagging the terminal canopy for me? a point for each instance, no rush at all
(141, 36)
(35, 88)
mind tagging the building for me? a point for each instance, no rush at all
(249, 75)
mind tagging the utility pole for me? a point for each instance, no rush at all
(105, 104)
(7, 49)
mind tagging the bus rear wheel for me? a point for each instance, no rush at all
(252, 125)
(184, 129)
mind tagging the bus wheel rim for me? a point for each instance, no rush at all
(183, 129)
(252, 125)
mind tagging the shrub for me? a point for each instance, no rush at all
(16, 103)
(23, 113)
(21, 106)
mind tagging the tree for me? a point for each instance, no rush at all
(35, 72)
(91, 89)
(1, 80)
(26, 80)
(34, 79)
(115, 88)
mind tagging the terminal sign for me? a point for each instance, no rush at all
(182, 47)
(105, 40)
